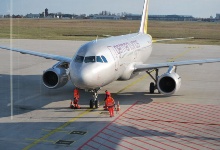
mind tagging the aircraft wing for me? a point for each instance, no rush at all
(164, 40)
(146, 67)
(44, 55)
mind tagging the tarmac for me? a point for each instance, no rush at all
(33, 117)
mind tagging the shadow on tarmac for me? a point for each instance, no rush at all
(30, 94)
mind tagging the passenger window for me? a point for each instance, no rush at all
(99, 59)
(79, 59)
(104, 59)
(89, 59)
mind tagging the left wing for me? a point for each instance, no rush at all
(44, 55)
(146, 67)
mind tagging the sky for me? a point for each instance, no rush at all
(196, 8)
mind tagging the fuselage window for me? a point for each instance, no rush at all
(104, 59)
(89, 59)
(99, 59)
(79, 59)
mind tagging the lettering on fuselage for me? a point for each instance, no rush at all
(126, 47)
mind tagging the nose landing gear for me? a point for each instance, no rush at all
(94, 102)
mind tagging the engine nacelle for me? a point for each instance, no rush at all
(55, 77)
(169, 83)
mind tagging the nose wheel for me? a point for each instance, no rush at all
(94, 102)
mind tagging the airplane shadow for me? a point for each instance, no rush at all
(27, 93)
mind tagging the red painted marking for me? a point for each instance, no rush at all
(92, 146)
(113, 142)
(136, 139)
(106, 126)
(124, 140)
(184, 130)
(171, 131)
(163, 112)
(146, 137)
(147, 114)
(192, 113)
(201, 108)
(172, 127)
(102, 144)
(158, 132)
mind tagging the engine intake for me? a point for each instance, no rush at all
(169, 83)
(55, 77)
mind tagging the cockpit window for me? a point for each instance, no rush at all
(104, 59)
(79, 59)
(89, 59)
(99, 59)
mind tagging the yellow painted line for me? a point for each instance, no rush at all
(179, 55)
(58, 131)
(37, 141)
(133, 83)
(48, 141)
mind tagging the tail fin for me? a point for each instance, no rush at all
(144, 20)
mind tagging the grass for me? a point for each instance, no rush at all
(56, 29)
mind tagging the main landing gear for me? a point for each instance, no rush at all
(153, 85)
(94, 102)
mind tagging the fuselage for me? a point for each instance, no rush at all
(100, 62)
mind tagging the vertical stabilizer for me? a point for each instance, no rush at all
(144, 20)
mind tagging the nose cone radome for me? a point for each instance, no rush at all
(84, 78)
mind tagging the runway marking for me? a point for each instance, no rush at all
(37, 141)
(156, 126)
(64, 142)
(78, 132)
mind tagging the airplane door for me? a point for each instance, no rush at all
(115, 56)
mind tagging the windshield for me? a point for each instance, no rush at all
(79, 59)
(89, 59)
(104, 59)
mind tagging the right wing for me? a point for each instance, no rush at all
(164, 40)
(44, 55)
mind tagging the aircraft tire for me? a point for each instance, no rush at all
(152, 86)
(91, 103)
(97, 104)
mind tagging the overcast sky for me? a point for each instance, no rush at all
(196, 8)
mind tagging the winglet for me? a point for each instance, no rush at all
(144, 20)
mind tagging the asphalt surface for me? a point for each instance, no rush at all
(34, 117)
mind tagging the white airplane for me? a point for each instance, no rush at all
(101, 62)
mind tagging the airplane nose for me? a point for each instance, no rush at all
(84, 79)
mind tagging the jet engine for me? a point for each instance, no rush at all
(56, 76)
(169, 83)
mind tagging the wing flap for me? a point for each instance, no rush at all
(146, 67)
(44, 55)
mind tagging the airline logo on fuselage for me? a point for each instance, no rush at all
(125, 47)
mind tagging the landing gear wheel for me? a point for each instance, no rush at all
(152, 87)
(96, 104)
(91, 103)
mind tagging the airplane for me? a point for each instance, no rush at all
(103, 61)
